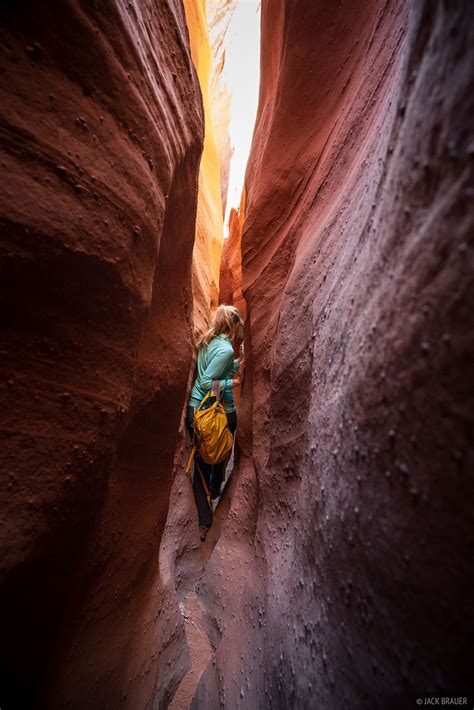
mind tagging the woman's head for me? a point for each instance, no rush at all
(227, 321)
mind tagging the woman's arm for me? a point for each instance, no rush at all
(221, 362)
(239, 368)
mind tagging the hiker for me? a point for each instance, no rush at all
(216, 365)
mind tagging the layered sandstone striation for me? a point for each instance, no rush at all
(342, 567)
(219, 15)
(209, 221)
(343, 575)
(101, 136)
(230, 283)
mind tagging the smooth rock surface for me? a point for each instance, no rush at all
(230, 283)
(219, 15)
(343, 575)
(101, 135)
(209, 221)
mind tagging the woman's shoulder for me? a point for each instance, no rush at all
(222, 341)
(221, 344)
(218, 344)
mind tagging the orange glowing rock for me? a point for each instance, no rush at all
(231, 268)
(219, 15)
(209, 221)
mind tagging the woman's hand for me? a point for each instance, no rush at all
(241, 360)
(239, 375)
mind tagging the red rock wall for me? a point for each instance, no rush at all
(101, 134)
(230, 284)
(343, 575)
(209, 222)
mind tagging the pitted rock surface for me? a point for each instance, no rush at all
(344, 570)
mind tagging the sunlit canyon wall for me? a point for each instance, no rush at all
(219, 15)
(343, 575)
(101, 136)
(209, 223)
(230, 284)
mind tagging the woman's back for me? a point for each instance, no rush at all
(215, 362)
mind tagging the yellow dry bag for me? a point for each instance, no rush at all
(212, 431)
(212, 437)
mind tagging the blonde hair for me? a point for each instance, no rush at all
(226, 319)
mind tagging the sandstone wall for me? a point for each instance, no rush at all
(101, 135)
(343, 575)
(209, 222)
(219, 14)
(230, 283)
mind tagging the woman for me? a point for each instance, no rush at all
(215, 362)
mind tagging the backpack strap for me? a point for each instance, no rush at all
(204, 485)
(216, 389)
(204, 399)
(191, 456)
(195, 445)
(203, 480)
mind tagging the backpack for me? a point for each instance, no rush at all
(212, 438)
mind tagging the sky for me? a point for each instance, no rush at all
(242, 74)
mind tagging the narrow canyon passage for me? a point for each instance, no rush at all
(338, 572)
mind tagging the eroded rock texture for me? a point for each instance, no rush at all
(343, 576)
(101, 135)
(209, 222)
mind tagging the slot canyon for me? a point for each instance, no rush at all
(338, 572)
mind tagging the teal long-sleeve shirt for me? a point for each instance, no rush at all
(215, 362)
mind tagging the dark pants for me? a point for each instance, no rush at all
(213, 473)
